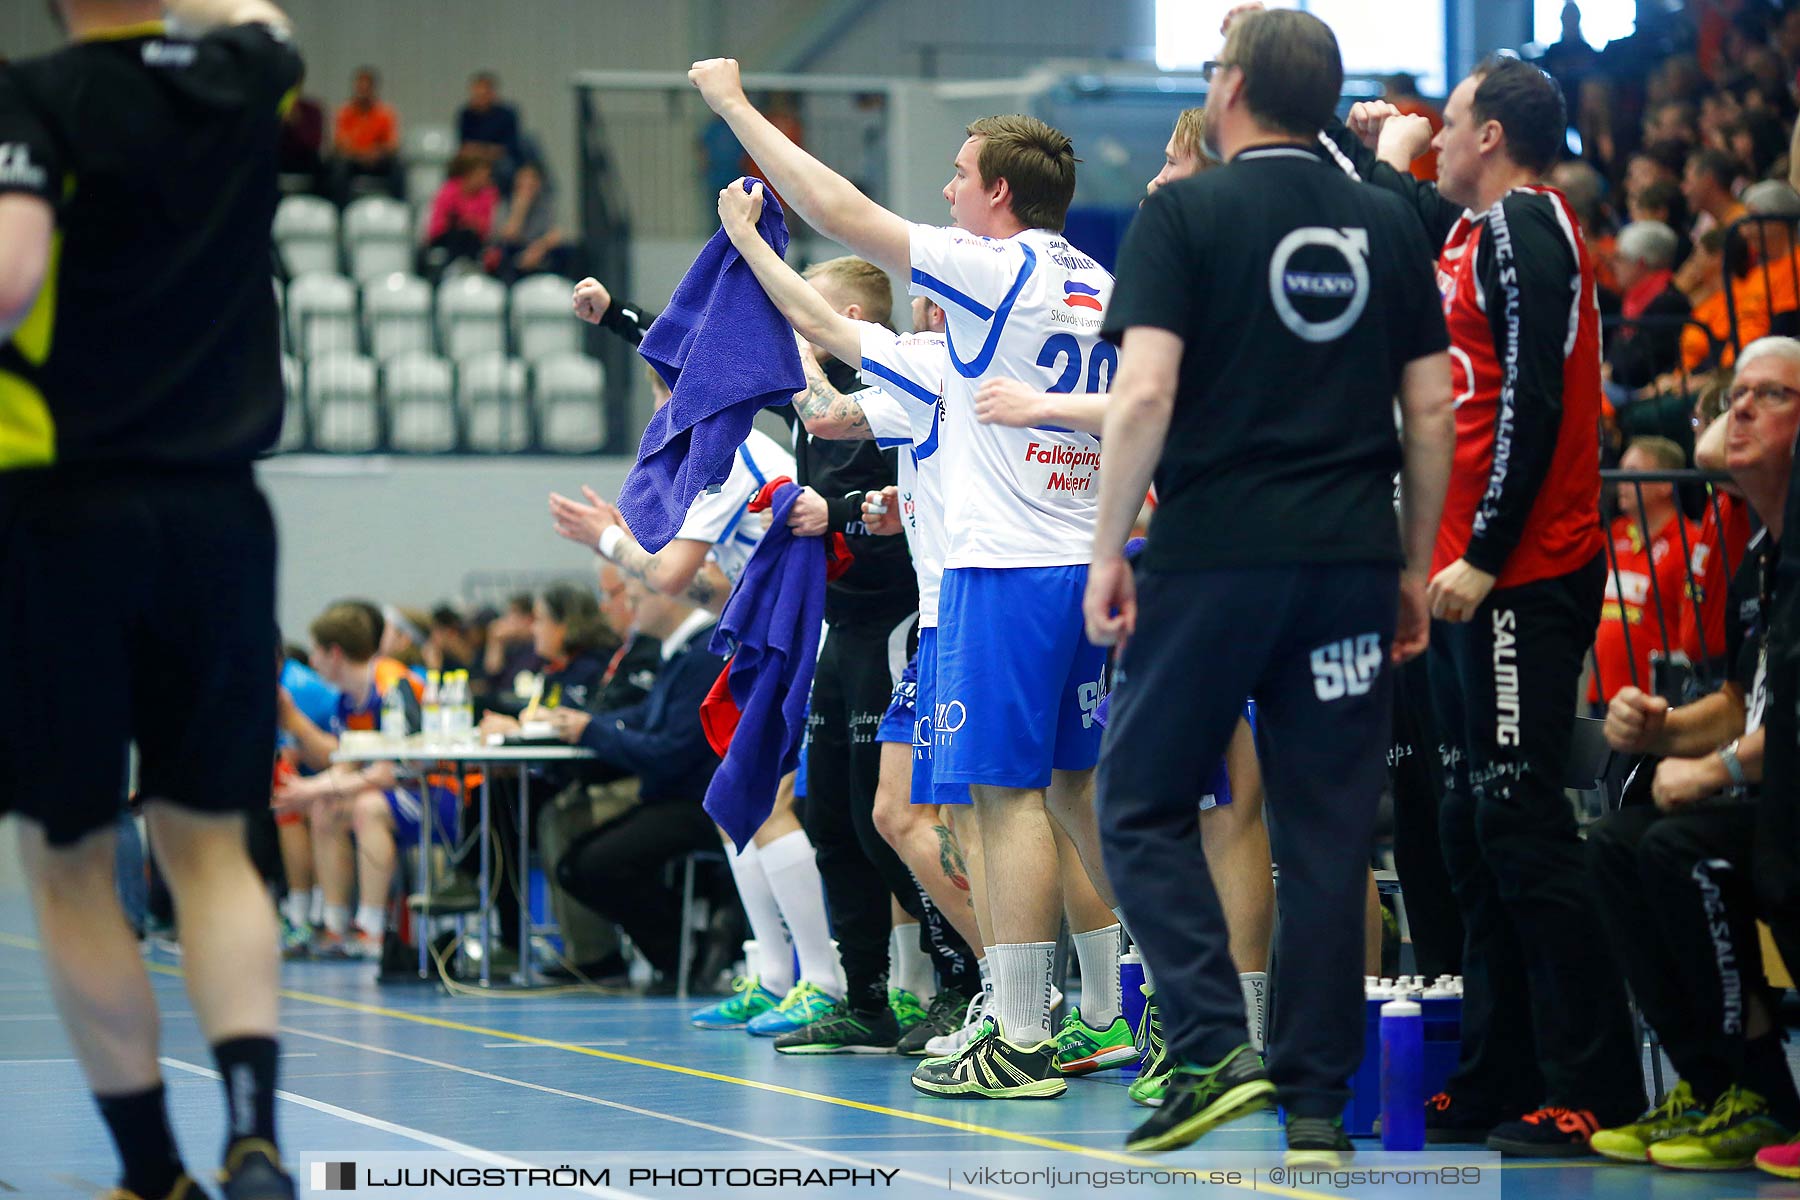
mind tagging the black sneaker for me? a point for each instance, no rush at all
(253, 1172)
(1198, 1100)
(1317, 1142)
(944, 1015)
(1546, 1133)
(993, 1068)
(1449, 1120)
(843, 1031)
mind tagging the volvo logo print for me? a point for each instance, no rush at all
(1322, 282)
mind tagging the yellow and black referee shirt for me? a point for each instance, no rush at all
(154, 340)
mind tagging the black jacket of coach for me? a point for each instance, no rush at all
(1297, 303)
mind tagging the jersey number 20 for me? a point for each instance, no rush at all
(1100, 366)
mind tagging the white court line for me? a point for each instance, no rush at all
(742, 1135)
(405, 1131)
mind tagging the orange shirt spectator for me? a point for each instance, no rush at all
(367, 128)
(372, 132)
(1753, 322)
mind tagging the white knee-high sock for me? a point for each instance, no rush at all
(1022, 975)
(775, 959)
(792, 870)
(1098, 953)
(911, 965)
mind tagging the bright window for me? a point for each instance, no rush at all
(1602, 21)
(1377, 37)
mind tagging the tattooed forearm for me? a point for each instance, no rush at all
(708, 588)
(839, 417)
(950, 858)
(635, 561)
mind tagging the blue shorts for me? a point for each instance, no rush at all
(1218, 788)
(901, 718)
(926, 787)
(1017, 680)
(408, 814)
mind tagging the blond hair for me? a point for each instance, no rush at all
(1037, 162)
(1190, 135)
(1664, 453)
(862, 282)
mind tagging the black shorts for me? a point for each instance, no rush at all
(135, 606)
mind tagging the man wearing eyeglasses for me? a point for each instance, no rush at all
(1275, 567)
(1674, 879)
(1548, 1054)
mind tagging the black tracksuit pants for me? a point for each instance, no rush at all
(1679, 907)
(1311, 645)
(1544, 1014)
(617, 870)
(858, 668)
(1416, 778)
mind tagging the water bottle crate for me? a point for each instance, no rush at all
(1443, 1039)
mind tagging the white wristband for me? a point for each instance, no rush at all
(608, 545)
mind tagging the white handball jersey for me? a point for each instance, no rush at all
(721, 518)
(908, 371)
(1027, 308)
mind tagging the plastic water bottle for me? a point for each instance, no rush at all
(1402, 1081)
(448, 710)
(393, 716)
(1132, 1000)
(434, 710)
(462, 719)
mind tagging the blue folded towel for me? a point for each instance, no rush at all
(726, 353)
(770, 628)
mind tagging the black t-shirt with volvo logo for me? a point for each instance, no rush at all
(1300, 295)
(155, 339)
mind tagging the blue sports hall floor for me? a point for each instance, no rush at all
(504, 1081)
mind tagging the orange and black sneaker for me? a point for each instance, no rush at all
(1546, 1133)
(1448, 1120)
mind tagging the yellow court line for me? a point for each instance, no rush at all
(1093, 1152)
(1027, 1139)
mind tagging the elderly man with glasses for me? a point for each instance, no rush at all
(1673, 876)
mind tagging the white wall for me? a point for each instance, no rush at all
(407, 531)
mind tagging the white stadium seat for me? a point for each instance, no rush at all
(322, 315)
(397, 315)
(306, 232)
(293, 422)
(420, 395)
(378, 237)
(471, 316)
(570, 403)
(341, 403)
(491, 397)
(542, 323)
